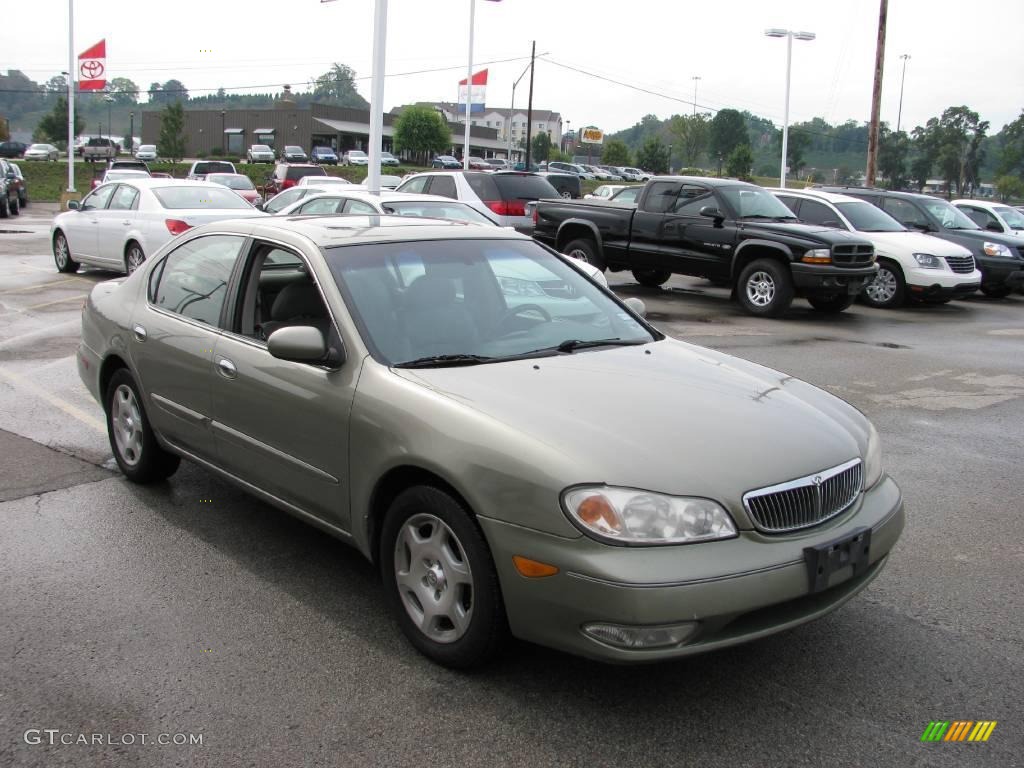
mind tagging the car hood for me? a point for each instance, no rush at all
(665, 416)
(914, 242)
(809, 232)
(1010, 241)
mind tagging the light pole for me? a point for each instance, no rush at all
(512, 109)
(789, 35)
(223, 135)
(131, 133)
(899, 114)
(110, 100)
(696, 79)
(565, 137)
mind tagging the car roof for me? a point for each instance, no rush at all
(873, 191)
(831, 197)
(148, 182)
(330, 230)
(981, 203)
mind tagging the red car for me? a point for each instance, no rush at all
(288, 175)
(238, 182)
(479, 164)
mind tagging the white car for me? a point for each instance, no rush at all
(598, 172)
(260, 153)
(355, 157)
(631, 174)
(386, 158)
(358, 201)
(146, 152)
(322, 181)
(120, 224)
(604, 192)
(911, 265)
(987, 214)
(42, 152)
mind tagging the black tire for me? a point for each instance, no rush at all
(15, 207)
(5, 209)
(888, 289)
(149, 463)
(133, 255)
(585, 249)
(22, 200)
(831, 305)
(996, 291)
(487, 629)
(62, 254)
(765, 288)
(651, 278)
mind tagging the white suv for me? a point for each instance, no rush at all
(993, 216)
(911, 265)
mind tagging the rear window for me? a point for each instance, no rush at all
(213, 166)
(298, 172)
(181, 198)
(524, 187)
(483, 185)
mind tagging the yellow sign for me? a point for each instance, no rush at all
(592, 136)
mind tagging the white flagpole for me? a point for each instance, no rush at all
(380, 34)
(469, 85)
(71, 95)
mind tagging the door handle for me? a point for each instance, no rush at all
(226, 368)
(140, 332)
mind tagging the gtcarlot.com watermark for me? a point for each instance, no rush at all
(56, 737)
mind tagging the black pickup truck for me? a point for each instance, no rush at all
(733, 233)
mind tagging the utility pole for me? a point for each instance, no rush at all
(469, 86)
(529, 105)
(876, 95)
(899, 114)
(696, 79)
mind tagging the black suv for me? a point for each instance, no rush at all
(13, 148)
(10, 184)
(1000, 257)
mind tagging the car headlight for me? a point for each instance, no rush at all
(997, 249)
(872, 459)
(630, 516)
(514, 286)
(817, 256)
(928, 261)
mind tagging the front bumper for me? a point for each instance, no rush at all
(997, 272)
(814, 279)
(736, 590)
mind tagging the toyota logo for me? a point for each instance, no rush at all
(92, 69)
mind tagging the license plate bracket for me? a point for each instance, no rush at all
(824, 560)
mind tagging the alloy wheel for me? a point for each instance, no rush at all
(760, 289)
(127, 425)
(135, 258)
(882, 289)
(60, 251)
(435, 582)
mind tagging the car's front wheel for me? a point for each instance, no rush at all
(585, 249)
(62, 254)
(440, 579)
(765, 288)
(135, 447)
(888, 289)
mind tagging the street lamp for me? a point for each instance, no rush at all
(899, 114)
(565, 137)
(223, 135)
(110, 100)
(789, 35)
(131, 133)
(696, 79)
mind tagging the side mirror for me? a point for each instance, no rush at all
(711, 212)
(994, 226)
(920, 226)
(637, 306)
(74, 205)
(302, 344)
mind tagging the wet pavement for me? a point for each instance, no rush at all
(189, 607)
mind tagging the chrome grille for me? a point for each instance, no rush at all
(805, 501)
(963, 264)
(853, 255)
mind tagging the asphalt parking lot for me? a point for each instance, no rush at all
(191, 608)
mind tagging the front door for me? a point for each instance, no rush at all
(693, 244)
(82, 229)
(283, 426)
(174, 335)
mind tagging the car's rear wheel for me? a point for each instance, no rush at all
(135, 447)
(831, 304)
(133, 257)
(651, 278)
(888, 289)
(996, 291)
(5, 209)
(765, 288)
(440, 579)
(62, 254)
(585, 249)
(15, 207)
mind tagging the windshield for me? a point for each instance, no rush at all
(754, 202)
(444, 209)
(182, 198)
(1014, 219)
(948, 214)
(232, 182)
(147, 148)
(293, 149)
(213, 167)
(866, 217)
(43, 147)
(356, 153)
(260, 148)
(485, 298)
(386, 154)
(112, 175)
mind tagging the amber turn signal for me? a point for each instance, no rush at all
(532, 568)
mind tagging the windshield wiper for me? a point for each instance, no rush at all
(571, 345)
(444, 361)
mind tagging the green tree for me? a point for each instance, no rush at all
(171, 142)
(541, 147)
(168, 93)
(57, 84)
(421, 129)
(690, 135)
(338, 86)
(54, 126)
(739, 162)
(1010, 187)
(124, 91)
(1011, 154)
(956, 142)
(797, 143)
(653, 155)
(728, 131)
(615, 153)
(893, 150)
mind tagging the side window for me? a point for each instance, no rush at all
(358, 206)
(194, 277)
(416, 185)
(905, 213)
(789, 201)
(661, 196)
(982, 218)
(99, 198)
(691, 199)
(125, 198)
(279, 292)
(444, 186)
(813, 212)
(322, 205)
(284, 199)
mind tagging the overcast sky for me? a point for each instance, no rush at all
(961, 53)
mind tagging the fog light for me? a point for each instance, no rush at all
(641, 638)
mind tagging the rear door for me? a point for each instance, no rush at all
(115, 223)
(646, 247)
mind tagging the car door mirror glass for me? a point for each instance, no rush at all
(711, 212)
(298, 343)
(73, 205)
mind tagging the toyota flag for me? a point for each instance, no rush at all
(92, 68)
(479, 92)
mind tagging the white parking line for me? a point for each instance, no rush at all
(57, 402)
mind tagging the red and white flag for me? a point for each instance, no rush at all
(478, 94)
(92, 68)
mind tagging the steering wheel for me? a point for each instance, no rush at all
(514, 311)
